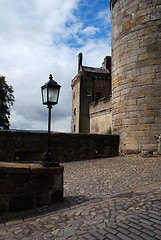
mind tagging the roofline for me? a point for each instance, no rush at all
(80, 73)
(103, 69)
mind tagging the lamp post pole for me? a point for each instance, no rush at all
(50, 94)
(49, 127)
(48, 155)
(48, 158)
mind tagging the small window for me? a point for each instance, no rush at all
(74, 95)
(74, 128)
(74, 111)
(89, 92)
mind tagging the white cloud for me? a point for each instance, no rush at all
(33, 45)
(104, 16)
(94, 52)
(90, 31)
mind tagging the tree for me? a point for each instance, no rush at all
(6, 101)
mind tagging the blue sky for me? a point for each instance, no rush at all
(42, 37)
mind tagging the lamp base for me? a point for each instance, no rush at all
(48, 160)
(50, 164)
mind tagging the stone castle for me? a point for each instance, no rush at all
(91, 91)
(133, 78)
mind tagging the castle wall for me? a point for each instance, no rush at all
(136, 72)
(75, 105)
(100, 116)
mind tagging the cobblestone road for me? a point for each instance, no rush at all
(111, 198)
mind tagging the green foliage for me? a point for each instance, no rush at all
(109, 131)
(6, 100)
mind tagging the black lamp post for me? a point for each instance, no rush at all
(50, 94)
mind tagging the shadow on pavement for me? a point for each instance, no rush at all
(68, 203)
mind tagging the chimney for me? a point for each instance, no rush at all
(107, 63)
(80, 62)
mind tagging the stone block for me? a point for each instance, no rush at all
(41, 198)
(148, 120)
(131, 145)
(20, 203)
(141, 63)
(129, 121)
(138, 51)
(7, 186)
(155, 16)
(156, 127)
(158, 119)
(128, 25)
(134, 73)
(133, 9)
(57, 196)
(149, 69)
(125, 91)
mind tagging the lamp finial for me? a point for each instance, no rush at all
(50, 77)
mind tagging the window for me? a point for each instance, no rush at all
(89, 92)
(74, 128)
(74, 111)
(74, 95)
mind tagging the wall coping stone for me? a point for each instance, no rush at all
(23, 168)
(19, 132)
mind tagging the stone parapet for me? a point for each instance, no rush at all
(27, 146)
(27, 186)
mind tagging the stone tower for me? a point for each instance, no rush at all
(136, 73)
(89, 85)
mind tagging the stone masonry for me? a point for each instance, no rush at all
(136, 73)
(100, 116)
(26, 186)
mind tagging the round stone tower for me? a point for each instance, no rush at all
(136, 73)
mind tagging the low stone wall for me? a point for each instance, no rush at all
(27, 186)
(22, 146)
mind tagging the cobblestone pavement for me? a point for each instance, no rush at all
(110, 198)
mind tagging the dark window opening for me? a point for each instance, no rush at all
(74, 111)
(89, 92)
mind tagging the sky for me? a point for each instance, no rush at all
(42, 37)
